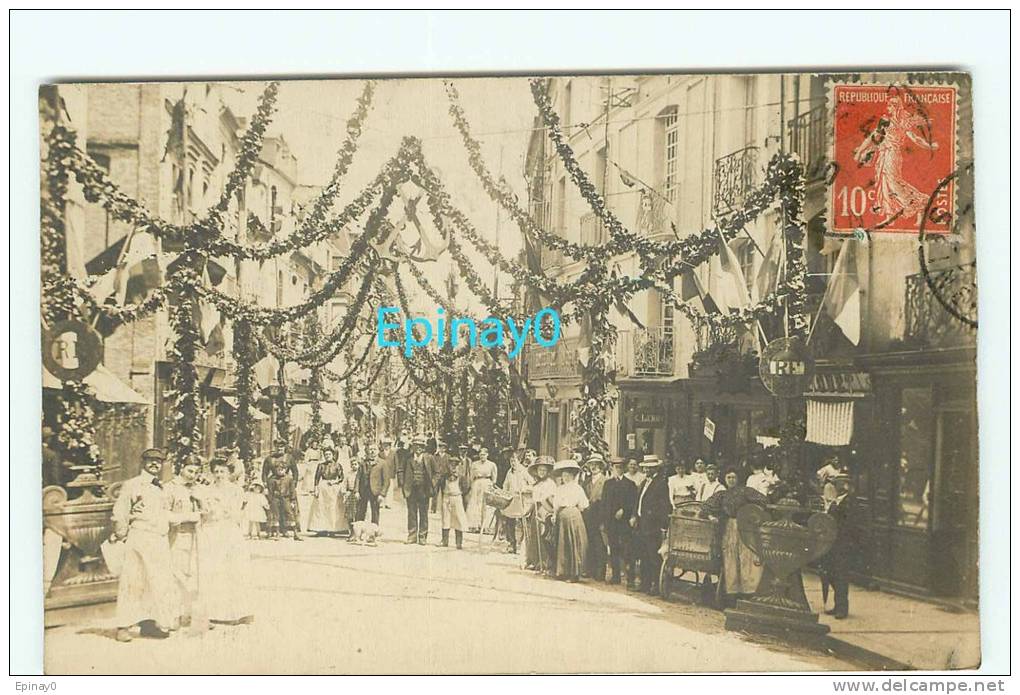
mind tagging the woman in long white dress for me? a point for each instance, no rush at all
(307, 467)
(222, 554)
(329, 514)
(483, 477)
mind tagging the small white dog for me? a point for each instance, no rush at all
(364, 532)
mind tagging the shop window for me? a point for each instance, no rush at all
(914, 489)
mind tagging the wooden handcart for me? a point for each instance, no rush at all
(692, 546)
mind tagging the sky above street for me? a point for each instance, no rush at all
(311, 116)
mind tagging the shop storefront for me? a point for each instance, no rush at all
(917, 457)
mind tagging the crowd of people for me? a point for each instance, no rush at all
(180, 546)
(583, 517)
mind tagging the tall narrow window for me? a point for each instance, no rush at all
(567, 99)
(671, 137)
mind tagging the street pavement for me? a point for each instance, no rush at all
(328, 606)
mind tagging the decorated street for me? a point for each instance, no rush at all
(328, 606)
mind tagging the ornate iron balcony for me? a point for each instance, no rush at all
(652, 351)
(807, 140)
(928, 321)
(734, 179)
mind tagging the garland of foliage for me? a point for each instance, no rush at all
(352, 370)
(185, 425)
(441, 208)
(500, 192)
(98, 187)
(75, 416)
(76, 428)
(244, 347)
(282, 409)
(491, 413)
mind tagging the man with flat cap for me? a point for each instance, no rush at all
(415, 479)
(146, 594)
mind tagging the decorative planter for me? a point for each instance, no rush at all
(81, 575)
(779, 606)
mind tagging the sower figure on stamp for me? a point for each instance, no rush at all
(619, 499)
(141, 518)
(184, 518)
(415, 479)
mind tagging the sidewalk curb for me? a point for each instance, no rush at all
(865, 657)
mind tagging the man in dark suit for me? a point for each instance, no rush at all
(836, 563)
(652, 516)
(371, 484)
(620, 501)
(415, 476)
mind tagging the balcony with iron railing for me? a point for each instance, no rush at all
(734, 178)
(929, 311)
(807, 138)
(647, 352)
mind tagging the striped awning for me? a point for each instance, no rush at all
(830, 422)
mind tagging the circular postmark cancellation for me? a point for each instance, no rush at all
(892, 145)
(71, 350)
(955, 289)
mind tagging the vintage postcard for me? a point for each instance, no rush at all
(554, 374)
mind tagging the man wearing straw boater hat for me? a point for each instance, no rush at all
(653, 510)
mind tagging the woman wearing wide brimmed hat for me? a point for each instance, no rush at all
(542, 489)
(569, 501)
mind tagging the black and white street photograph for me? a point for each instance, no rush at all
(596, 372)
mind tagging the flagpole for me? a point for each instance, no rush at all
(818, 315)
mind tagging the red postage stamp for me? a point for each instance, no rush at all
(894, 151)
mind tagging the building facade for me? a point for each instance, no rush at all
(171, 146)
(673, 155)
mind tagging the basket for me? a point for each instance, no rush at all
(497, 498)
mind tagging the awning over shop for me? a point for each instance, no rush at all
(109, 388)
(830, 422)
(840, 385)
(255, 412)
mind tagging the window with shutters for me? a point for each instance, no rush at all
(671, 139)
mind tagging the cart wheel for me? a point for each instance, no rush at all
(666, 578)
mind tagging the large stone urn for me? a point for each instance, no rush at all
(784, 546)
(81, 576)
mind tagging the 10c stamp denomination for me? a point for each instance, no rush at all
(894, 151)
